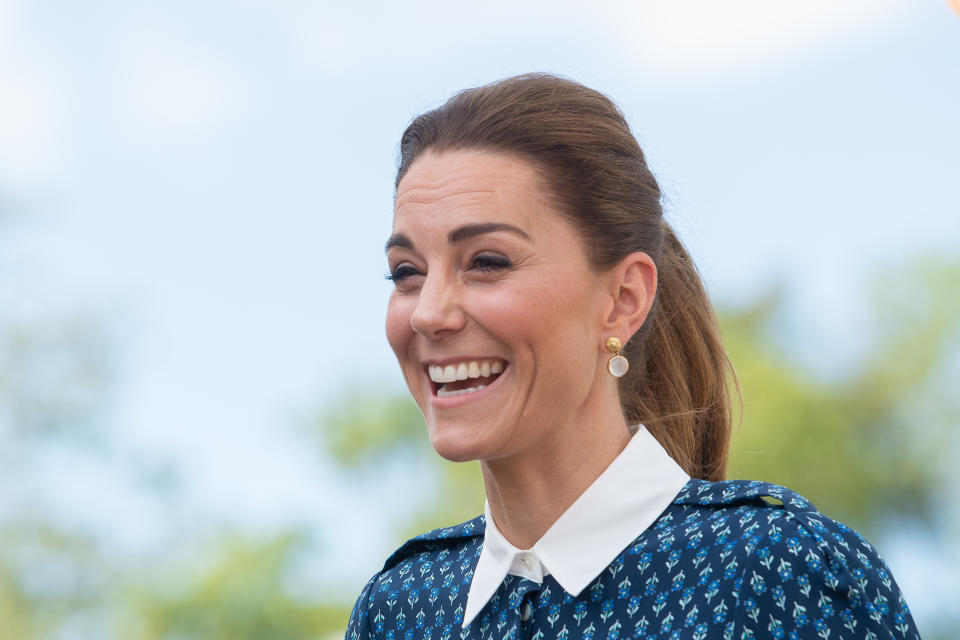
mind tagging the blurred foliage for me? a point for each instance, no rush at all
(366, 430)
(53, 379)
(55, 371)
(241, 590)
(870, 444)
(365, 426)
(50, 579)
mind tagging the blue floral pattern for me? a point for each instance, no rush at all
(723, 561)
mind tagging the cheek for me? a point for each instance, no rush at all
(563, 331)
(399, 331)
(540, 323)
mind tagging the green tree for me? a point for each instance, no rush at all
(368, 433)
(869, 445)
(231, 589)
(54, 376)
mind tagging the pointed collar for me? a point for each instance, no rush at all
(620, 504)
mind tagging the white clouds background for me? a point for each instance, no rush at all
(168, 73)
(33, 99)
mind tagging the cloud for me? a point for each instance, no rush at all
(679, 41)
(698, 37)
(32, 106)
(178, 73)
(144, 76)
(168, 89)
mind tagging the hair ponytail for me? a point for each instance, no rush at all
(594, 168)
(680, 389)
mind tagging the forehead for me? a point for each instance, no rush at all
(457, 186)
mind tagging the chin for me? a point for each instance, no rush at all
(453, 450)
(457, 443)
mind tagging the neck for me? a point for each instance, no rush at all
(527, 493)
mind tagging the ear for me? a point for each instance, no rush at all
(632, 285)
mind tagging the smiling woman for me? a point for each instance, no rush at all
(478, 284)
(528, 245)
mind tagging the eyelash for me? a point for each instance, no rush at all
(490, 262)
(482, 262)
(401, 273)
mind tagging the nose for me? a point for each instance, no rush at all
(438, 311)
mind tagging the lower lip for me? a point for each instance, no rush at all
(455, 401)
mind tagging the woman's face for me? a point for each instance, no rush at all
(496, 317)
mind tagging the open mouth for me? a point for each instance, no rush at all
(461, 378)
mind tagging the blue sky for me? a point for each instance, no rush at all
(215, 178)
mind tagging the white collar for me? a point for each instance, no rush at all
(621, 503)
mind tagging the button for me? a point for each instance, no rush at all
(525, 610)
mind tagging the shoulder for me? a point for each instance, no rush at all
(795, 571)
(442, 557)
(438, 540)
(768, 515)
(732, 493)
(729, 518)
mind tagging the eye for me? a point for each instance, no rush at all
(486, 262)
(401, 272)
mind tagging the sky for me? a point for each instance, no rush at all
(215, 180)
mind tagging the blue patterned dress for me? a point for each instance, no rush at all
(723, 561)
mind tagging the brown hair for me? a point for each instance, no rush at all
(677, 384)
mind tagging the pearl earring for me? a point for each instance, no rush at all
(617, 365)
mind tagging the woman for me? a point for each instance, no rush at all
(550, 325)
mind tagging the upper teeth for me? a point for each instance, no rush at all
(464, 370)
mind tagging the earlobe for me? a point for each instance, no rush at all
(633, 286)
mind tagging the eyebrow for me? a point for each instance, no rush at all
(460, 234)
(397, 240)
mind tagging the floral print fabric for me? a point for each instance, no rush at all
(726, 560)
